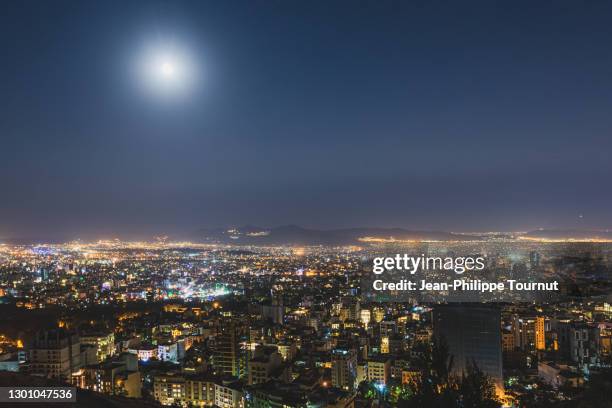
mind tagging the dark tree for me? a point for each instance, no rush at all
(476, 389)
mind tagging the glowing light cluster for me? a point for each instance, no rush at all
(166, 70)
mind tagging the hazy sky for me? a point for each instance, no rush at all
(418, 114)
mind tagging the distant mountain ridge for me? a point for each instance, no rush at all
(569, 234)
(296, 235)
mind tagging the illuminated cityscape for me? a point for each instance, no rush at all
(306, 204)
(241, 326)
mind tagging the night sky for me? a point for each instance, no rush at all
(469, 116)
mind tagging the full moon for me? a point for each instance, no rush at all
(166, 71)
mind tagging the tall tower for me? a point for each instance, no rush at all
(55, 353)
(229, 357)
(344, 369)
(540, 334)
(473, 334)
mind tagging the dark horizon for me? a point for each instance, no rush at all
(292, 234)
(426, 116)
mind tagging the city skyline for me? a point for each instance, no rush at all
(240, 327)
(299, 204)
(162, 118)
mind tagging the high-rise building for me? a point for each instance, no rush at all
(529, 332)
(473, 335)
(169, 389)
(274, 311)
(344, 369)
(173, 351)
(184, 390)
(229, 394)
(229, 357)
(562, 329)
(119, 376)
(103, 342)
(55, 353)
(379, 370)
(508, 341)
(384, 345)
(391, 344)
(266, 359)
(366, 316)
(351, 303)
(540, 334)
(581, 345)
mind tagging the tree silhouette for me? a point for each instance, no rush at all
(435, 388)
(476, 389)
(438, 388)
(597, 391)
